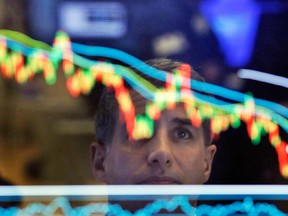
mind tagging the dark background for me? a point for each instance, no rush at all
(148, 23)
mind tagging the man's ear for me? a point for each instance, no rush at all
(98, 154)
(209, 155)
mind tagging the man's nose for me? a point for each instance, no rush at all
(159, 152)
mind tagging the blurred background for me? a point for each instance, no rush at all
(45, 133)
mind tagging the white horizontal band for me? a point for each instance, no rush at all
(103, 190)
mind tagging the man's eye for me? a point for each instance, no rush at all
(181, 133)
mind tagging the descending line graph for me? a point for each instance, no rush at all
(22, 58)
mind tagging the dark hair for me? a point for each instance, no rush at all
(107, 113)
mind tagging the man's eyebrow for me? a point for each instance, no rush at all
(182, 121)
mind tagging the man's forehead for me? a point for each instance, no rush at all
(176, 115)
(139, 101)
(140, 106)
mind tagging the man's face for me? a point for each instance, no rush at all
(175, 154)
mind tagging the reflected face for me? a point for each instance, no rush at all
(175, 154)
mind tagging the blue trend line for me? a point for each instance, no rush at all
(161, 75)
(246, 207)
(152, 72)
